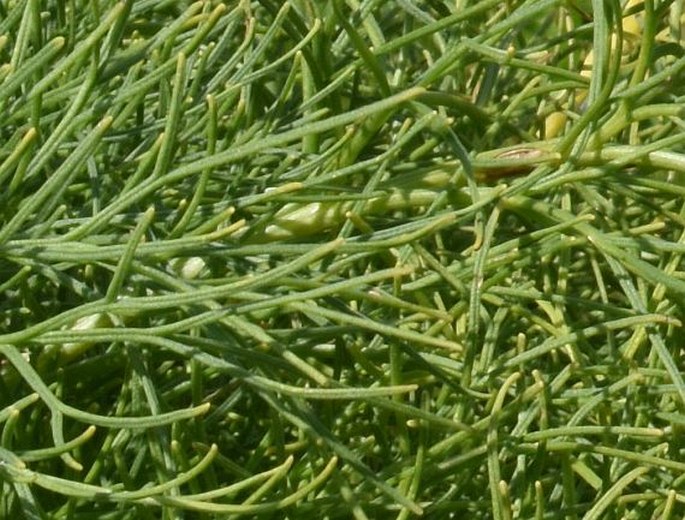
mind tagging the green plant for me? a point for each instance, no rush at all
(332, 259)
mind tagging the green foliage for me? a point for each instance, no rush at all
(333, 259)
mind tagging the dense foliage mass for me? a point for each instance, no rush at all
(334, 259)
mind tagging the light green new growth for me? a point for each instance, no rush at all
(342, 259)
